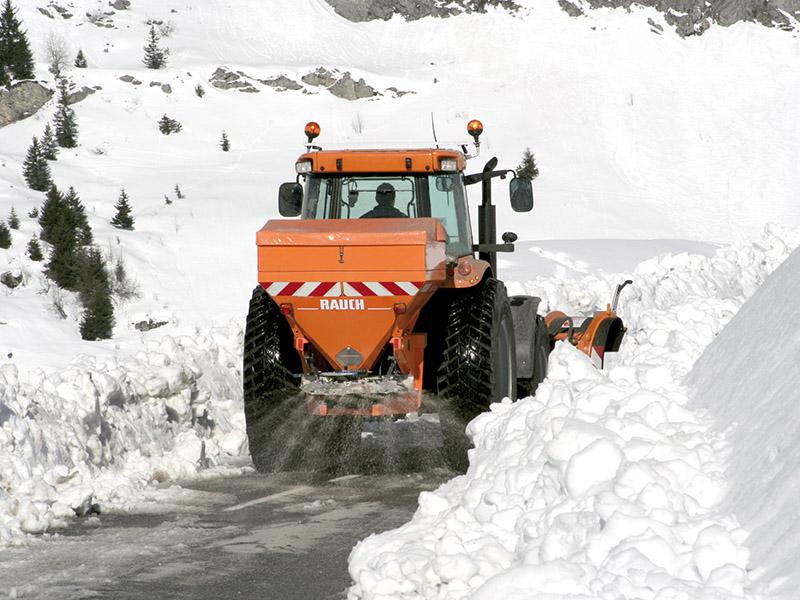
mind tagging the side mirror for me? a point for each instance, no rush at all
(521, 192)
(290, 199)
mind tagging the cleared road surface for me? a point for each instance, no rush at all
(283, 536)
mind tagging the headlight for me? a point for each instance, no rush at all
(304, 166)
(448, 164)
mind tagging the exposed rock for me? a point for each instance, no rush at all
(130, 79)
(655, 27)
(224, 79)
(166, 88)
(350, 89)
(155, 83)
(148, 325)
(46, 12)
(398, 93)
(320, 77)
(694, 17)
(81, 94)
(571, 9)
(340, 85)
(22, 100)
(282, 83)
(65, 14)
(120, 4)
(368, 10)
(10, 280)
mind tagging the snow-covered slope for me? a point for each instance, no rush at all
(637, 135)
(748, 378)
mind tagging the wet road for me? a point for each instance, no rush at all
(283, 536)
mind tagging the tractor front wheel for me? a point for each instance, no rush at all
(270, 388)
(478, 363)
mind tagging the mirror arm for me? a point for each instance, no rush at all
(493, 247)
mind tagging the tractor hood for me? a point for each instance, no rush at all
(341, 281)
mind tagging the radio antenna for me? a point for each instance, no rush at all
(433, 127)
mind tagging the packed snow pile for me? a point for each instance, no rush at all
(94, 435)
(748, 378)
(603, 485)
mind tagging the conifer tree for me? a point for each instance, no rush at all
(167, 125)
(80, 60)
(155, 57)
(95, 295)
(123, 219)
(77, 215)
(13, 219)
(33, 213)
(16, 59)
(35, 168)
(178, 193)
(49, 146)
(5, 236)
(59, 230)
(66, 127)
(54, 211)
(225, 143)
(35, 249)
(527, 169)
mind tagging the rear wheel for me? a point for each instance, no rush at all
(478, 363)
(270, 389)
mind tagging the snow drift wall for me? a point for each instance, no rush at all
(748, 378)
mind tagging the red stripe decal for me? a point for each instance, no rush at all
(393, 288)
(290, 289)
(361, 288)
(419, 284)
(322, 288)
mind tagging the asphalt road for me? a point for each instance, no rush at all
(282, 536)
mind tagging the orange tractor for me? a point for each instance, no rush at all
(373, 307)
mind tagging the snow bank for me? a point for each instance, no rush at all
(96, 434)
(749, 380)
(603, 485)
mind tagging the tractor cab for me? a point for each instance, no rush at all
(398, 184)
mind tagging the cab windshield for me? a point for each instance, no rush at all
(439, 195)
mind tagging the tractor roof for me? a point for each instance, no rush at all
(420, 160)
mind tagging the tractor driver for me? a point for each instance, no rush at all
(385, 209)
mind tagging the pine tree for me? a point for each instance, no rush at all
(66, 127)
(155, 57)
(5, 236)
(35, 249)
(59, 230)
(33, 213)
(54, 212)
(166, 125)
(95, 295)
(80, 60)
(123, 219)
(178, 193)
(35, 168)
(13, 219)
(527, 169)
(199, 90)
(77, 215)
(225, 143)
(49, 146)
(16, 59)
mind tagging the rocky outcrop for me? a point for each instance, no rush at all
(368, 10)
(22, 100)
(341, 85)
(693, 17)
